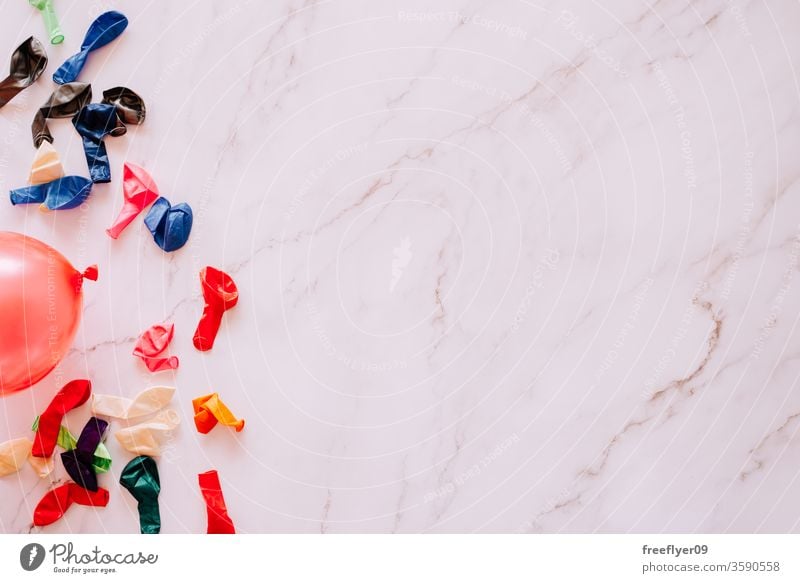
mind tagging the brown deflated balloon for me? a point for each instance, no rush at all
(130, 107)
(66, 101)
(27, 64)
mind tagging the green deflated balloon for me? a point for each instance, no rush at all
(50, 20)
(140, 478)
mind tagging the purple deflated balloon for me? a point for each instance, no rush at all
(79, 461)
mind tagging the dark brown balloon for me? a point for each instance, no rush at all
(66, 101)
(130, 107)
(27, 64)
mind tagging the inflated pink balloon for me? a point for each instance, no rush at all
(40, 308)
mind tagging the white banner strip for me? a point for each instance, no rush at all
(402, 558)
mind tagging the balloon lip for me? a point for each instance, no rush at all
(56, 37)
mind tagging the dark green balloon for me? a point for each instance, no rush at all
(140, 478)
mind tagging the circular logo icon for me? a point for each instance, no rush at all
(31, 556)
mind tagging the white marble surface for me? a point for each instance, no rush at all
(504, 266)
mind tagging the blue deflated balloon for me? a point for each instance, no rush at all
(102, 31)
(170, 225)
(62, 194)
(94, 122)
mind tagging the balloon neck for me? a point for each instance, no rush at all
(90, 273)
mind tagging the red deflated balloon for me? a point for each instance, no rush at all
(40, 308)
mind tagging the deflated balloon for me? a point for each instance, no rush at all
(169, 225)
(46, 166)
(140, 478)
(102, 31)
(130, 107)
(62, 194)
(220, 294)
(146, 402)
(94, 122)
(13, 454)
(66, 101)
(152, 346)
(139, 190)
(210, 410)
(27, 64)
(56, 502)
(73, 394)
(79, 461)
(218, 520)
(50, 20)
(145, 438)
(101, 460)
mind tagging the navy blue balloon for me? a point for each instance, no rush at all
(94, 122)
(170, 225)
(102, 31)
(62, 194)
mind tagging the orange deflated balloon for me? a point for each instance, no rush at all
(210, 410)
(40, 309)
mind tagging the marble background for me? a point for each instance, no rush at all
(505, 266)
